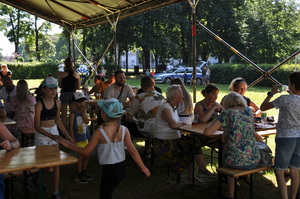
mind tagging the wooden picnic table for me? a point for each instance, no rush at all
(8, 122)
(35, 157)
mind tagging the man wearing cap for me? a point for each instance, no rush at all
(7, 92)
(120, 90)
(142, 112)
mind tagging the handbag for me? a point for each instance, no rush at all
(265, 153)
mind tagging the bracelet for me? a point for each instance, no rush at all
(11, 147)
(270, 94)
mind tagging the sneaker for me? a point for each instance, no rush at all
(197, 181)
(81, 179)
(56, 196)
(87, 176)
(206, 174)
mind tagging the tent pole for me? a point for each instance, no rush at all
(193, 5)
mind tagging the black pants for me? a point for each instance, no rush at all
(112, 174)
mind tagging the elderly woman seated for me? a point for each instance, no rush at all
(175, 149)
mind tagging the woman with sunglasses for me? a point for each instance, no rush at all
(239, 85)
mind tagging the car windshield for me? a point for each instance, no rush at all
(171, 71)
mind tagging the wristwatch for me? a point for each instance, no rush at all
(270, 94)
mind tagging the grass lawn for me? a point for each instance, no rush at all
(159, 185)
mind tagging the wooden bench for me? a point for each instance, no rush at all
(27, 136)
(149, 140)
(239, 173)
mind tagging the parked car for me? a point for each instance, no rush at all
(167, 76)
(201, 64)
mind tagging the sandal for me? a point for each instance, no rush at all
(206, 174)
(197, 181)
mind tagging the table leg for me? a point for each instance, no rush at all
(25, 184)
(220, 160)
(41, 187)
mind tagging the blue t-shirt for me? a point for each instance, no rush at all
(81, 131)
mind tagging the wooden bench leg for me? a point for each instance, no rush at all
(252, 186)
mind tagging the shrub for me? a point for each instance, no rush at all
(20, 59)
(224, 73)
(34, 70)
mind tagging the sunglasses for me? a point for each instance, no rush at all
(239, 80)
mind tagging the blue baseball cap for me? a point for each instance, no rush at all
(112, 107)
(49, 82)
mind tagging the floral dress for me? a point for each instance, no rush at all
(24, 112)
(240, 148)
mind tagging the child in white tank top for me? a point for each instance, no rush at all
(111, 139)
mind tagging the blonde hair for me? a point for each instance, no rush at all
(234, 99)
(235, 82)
(187, 100)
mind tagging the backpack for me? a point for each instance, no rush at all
(265, 153)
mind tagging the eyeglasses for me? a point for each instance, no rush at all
(239, 80)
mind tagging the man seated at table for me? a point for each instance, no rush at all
(7, 92)
(155, 87)
(120, 90)
(141, 114)
(7, 142)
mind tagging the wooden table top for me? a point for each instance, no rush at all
(199, 128)
(8, 122)
(91, 101)
(35, 157)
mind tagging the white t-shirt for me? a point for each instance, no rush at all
(288, 125)
(112, 92)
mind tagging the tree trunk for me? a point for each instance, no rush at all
(84, 32)
(184, 49)
(126, 60)
(38, 55)
(146, 52)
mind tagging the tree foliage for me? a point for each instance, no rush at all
(165, 33)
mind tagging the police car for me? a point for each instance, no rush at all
(167, 76)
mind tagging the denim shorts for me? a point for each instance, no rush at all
(287, 153)
(66, 97)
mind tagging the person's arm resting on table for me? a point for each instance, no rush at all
(10, 142)
(212, 127)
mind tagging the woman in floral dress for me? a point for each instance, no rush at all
(239, 144)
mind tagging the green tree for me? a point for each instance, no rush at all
(274, 29)
(18, 24)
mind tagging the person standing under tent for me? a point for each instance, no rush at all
(69, 82)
